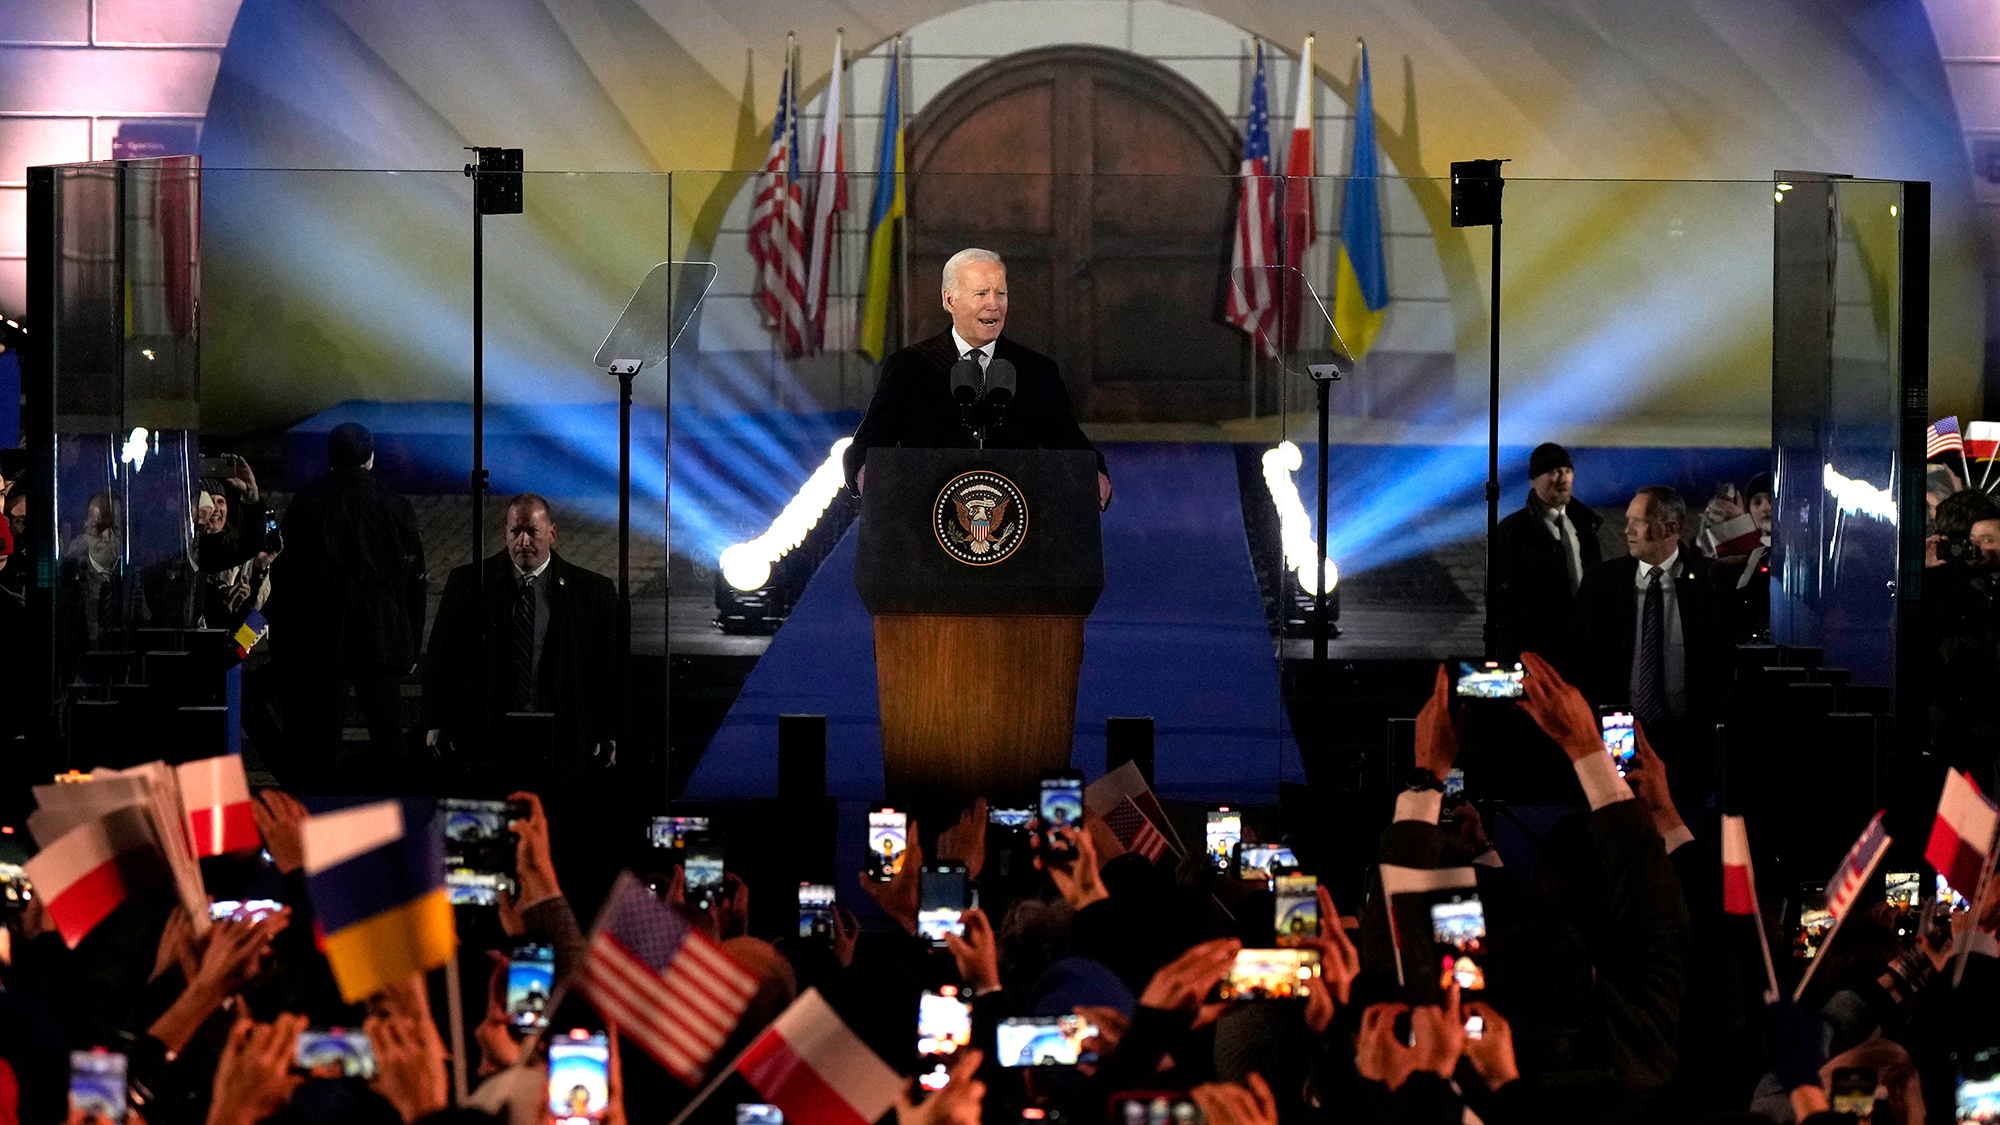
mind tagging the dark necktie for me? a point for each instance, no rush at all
(1649, 693)
(1571, 560)
(523, 697)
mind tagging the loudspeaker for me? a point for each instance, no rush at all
(801, 759)
(1129, 740)
(1475, 192)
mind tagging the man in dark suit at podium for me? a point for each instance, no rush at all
(549, 648)
(913, 404)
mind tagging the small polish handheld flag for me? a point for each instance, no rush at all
(808, 1064)
(1962, 833)
(669, 987)
(1942, 437)
(1134, 831)
(216, 796)
(1982, 440)
(94, 867)
(1847, 882)
(1739, 887)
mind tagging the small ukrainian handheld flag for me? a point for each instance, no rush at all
(375, 874)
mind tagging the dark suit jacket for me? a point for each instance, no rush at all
(349, 588)
(913, 405)
(1607, 609)
(1531, 598)
(578, 679)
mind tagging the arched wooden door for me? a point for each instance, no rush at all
(1056, 159)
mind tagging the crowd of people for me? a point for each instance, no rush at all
(1613, 988)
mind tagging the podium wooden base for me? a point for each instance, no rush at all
(975, 706)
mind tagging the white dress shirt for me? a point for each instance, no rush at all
(984, 351)
(1674, 654)
(1553, 519)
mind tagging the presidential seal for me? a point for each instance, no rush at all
(980, 518)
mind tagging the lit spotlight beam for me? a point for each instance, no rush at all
(747, 566)
(1295, 530)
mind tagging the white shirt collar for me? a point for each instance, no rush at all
(1554, 514)
(1646, 569)
(535, 573)
(985, 349)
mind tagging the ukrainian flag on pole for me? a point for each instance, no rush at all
(888, 208)
(1361, 279)
(375, 874)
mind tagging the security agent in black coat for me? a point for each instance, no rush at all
(1608, 612)
(1535, 570)
(913, 404)
(569, 669)
(347, 606)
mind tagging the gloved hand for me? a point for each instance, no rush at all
(1794, 1044)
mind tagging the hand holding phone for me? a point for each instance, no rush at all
(97, 1085)
(1475, 678)
(1621, 737)
(1061, 807)
(579, 1077)
(1223, 833)
(888, 840)
(531, 971)
(941, 901)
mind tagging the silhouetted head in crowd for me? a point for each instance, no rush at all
(1971, 515)
(1757, 500)
(1551, 475)
(531, 531)
(1655, 520)
(103, 529)
(350, 446)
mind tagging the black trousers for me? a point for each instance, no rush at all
(317, 756)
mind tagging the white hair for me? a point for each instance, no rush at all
(965, 258)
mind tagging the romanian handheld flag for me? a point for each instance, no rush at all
(808, 1064)
(829, 200)
(1848, 881)
(882, 221)
(248, 634)
(1254, 251)
(1962, 835)
(1739, 885)
(216, 796)
(89, 870)
(1300, 167)
(669, 987)
(1134, 831)
(1361, 279)
(375, 874)
(1942, 437)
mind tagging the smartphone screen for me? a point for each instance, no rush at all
(1043, 1040)
(673, 831)
(531, 974)
(888, 838)
(1946, 895)
(941, 901)
(579, 1077)
(1459, 929)
(944, 1028)
(1454, 782)
(1271, 974)
(1154, 1107)
(759, 1113)
(1297, 910)
(1621, 738)
(253, 910)
(1815, 921)
(1264, 861)
(478, 849)
(1978, 1091)
(815, 910)
(335, 1052)
(1473, 678)
(97, 1084)
(701, 869)
(1903, 890)
(1224, 832)
(1854, 1090)
(1018, 820)
(1061, 807)
(1475, 1027)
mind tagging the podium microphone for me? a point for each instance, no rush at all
(965, 390)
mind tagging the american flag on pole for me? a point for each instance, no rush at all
(777, 225)
(1848, 881)
(1942, 436)
(1252, 306)
(829, 200)
(667, 985)
(1135, 831)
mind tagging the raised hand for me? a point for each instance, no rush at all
(1226, 1103)
(1079, 880)
(965, 842)
(1648, 778)
(1340, 963)
(977, 953)
(898, 896)
(1184, 982)
(1492, 1054)
(280, 820)
(254, 1079)
(1437, 729)
(533, 862)
(959, 1103)
(1559, 709)
(409, 1065)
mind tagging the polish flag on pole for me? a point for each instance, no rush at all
(1739, 887)
(94, 867)
(1962, 835)
(829, 201)
(1300, 168)
(808, 1064)
(216, 794)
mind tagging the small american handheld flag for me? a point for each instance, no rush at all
(1942, 436)
(1852, 876)
(1135, 831)
(667, 985)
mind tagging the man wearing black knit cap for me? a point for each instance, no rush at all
(1540, 555)
(347, 608)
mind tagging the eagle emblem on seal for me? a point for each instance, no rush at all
(980, 517)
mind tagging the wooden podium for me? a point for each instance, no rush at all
(979, 567)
